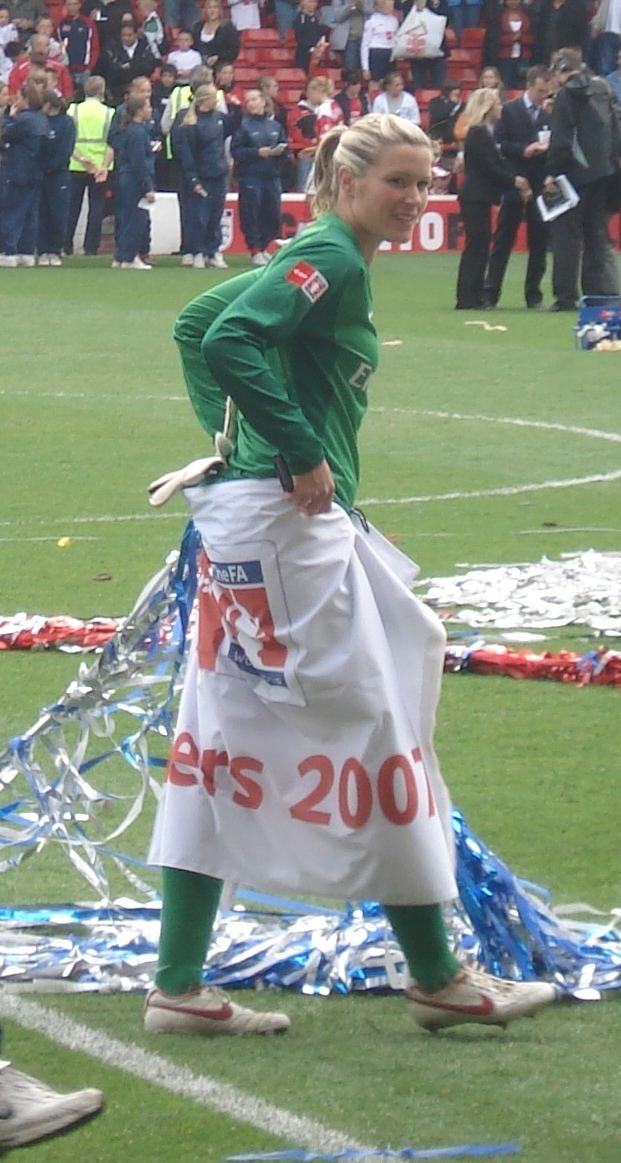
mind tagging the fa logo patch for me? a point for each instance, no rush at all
(310, 281)
(234, 619)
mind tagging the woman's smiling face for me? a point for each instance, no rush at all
(388, 200)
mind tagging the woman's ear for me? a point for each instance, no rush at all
(346, 181)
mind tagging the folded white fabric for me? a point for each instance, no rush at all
(165, 487)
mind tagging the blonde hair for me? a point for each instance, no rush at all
(318, 85)
(201, 94)
(357, 147)
(480, 103)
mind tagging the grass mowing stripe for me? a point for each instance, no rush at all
(179, 1080)
(503, 491)
(553, 426)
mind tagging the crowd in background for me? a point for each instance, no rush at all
(115, 99)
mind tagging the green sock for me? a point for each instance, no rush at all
(189, 905)
(421, 933)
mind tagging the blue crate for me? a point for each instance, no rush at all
(599, 311)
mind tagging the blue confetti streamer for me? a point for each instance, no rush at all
(467, 1150)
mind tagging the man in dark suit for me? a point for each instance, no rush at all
(522, 134)
(585, 145)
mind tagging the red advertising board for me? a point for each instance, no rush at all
(439, 229)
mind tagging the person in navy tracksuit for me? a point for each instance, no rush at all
(257, 149)
(135, 169)
(24, 131)
(139, 87)
(5, 102)
(198, 145)
(54, 206)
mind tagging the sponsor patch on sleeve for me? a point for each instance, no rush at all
(310, 281)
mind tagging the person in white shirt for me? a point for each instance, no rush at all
(606, 37)
(395, 99)
(377, 40)
(245, 14)
(56, 51)
(184, 57)
(8, 33)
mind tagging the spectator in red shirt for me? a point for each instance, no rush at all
(39, 58)
(78, 34)
(302, 127)
(352, 100)
(328, 114)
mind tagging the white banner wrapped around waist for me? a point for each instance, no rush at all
(303, 758)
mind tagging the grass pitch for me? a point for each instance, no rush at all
(93, 408)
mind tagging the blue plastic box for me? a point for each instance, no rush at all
(599, 317)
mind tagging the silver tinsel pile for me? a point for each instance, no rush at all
(582, 589)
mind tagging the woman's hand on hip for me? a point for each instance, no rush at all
(313, 491)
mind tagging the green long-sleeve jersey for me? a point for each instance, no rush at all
(189, 330)
(295, 350)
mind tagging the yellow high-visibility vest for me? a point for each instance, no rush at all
(179, 99)
(92, 121)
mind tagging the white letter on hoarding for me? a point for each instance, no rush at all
(431, 231)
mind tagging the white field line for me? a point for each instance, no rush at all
(506, 491)
(159, 1071)
(546, 425)
(18, 393)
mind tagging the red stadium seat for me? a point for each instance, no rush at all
(464, 56)
(272, 58)
(424, 96)
(473, 38)
(246, 75)
(468, 78)
(259, 37)
(333, 75)
(290, 97)
(291, 77)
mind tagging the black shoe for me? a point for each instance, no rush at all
(537, 306)
(561, 307)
